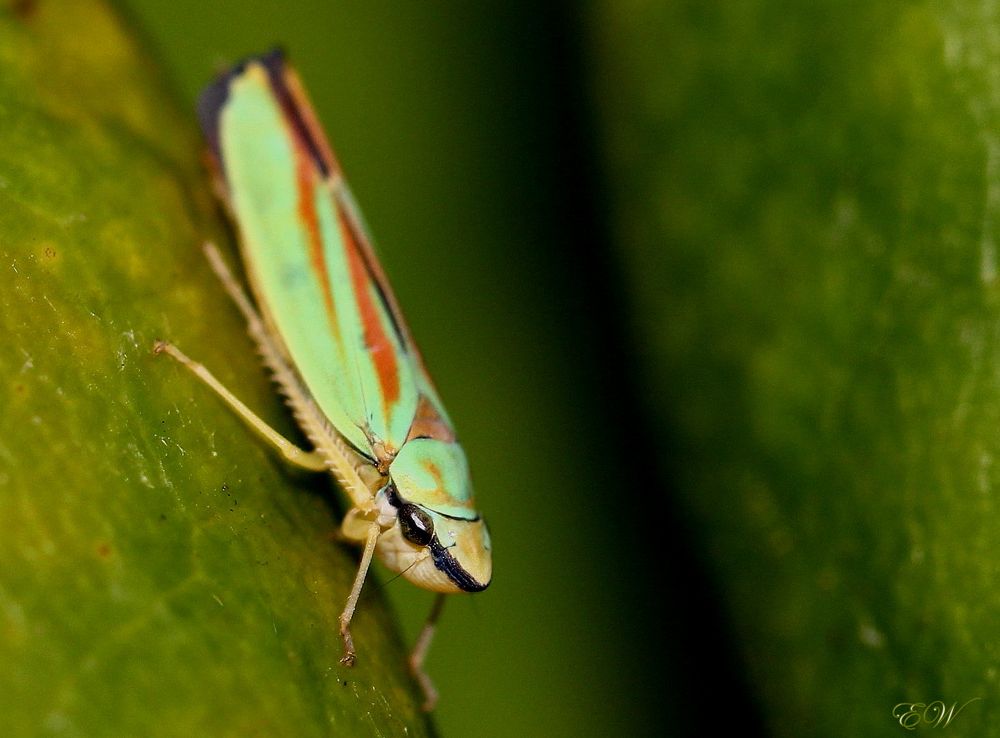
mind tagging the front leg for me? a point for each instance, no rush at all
(371, 538)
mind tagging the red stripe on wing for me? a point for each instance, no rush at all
(306, 181)
(379, 344)
(366, 271)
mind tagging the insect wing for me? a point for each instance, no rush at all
(310, 262)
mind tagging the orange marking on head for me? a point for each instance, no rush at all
(435, 472)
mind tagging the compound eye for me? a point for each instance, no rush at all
(416, 525)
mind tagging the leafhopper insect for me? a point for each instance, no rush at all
(329, 328)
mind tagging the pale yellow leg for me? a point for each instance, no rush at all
(356, 524)
(235, 290)
(309, 460)
(352, 601)
(420, 649)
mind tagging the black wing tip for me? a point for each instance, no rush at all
(273, 60)
(213, 98)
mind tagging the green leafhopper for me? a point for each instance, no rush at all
(329, 328)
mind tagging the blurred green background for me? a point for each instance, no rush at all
(710, 290)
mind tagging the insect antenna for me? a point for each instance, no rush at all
(382, 585)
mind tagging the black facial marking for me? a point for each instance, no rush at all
(445, 562)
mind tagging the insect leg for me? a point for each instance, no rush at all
(235, 290)
(309, 460)
(330, 453)
(420, 649)
(374, 530)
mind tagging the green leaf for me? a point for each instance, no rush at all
(163, 573)
(807, 202)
